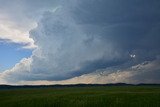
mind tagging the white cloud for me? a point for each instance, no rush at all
(19, 17)
(2, 81)
(18, 71)
(11, 33)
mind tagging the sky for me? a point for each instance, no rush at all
(11, 54)
(79, 41)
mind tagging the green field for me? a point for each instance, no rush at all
(102, 96)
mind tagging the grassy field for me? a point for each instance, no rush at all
(102, 96)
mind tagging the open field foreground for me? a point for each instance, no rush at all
(97, 96)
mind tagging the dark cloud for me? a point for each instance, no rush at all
(132, 26)
(125, 26)
(84, 36)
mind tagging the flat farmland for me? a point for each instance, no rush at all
(91, 96)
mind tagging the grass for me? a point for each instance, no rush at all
(102, 96)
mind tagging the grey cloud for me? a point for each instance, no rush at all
(26, 12)
(132, 26)
(81, 37)
(63, 44)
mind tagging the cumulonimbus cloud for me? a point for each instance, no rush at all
(77, 39)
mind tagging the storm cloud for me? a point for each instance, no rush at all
(85, 37)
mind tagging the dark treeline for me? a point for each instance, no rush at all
(3, 86)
